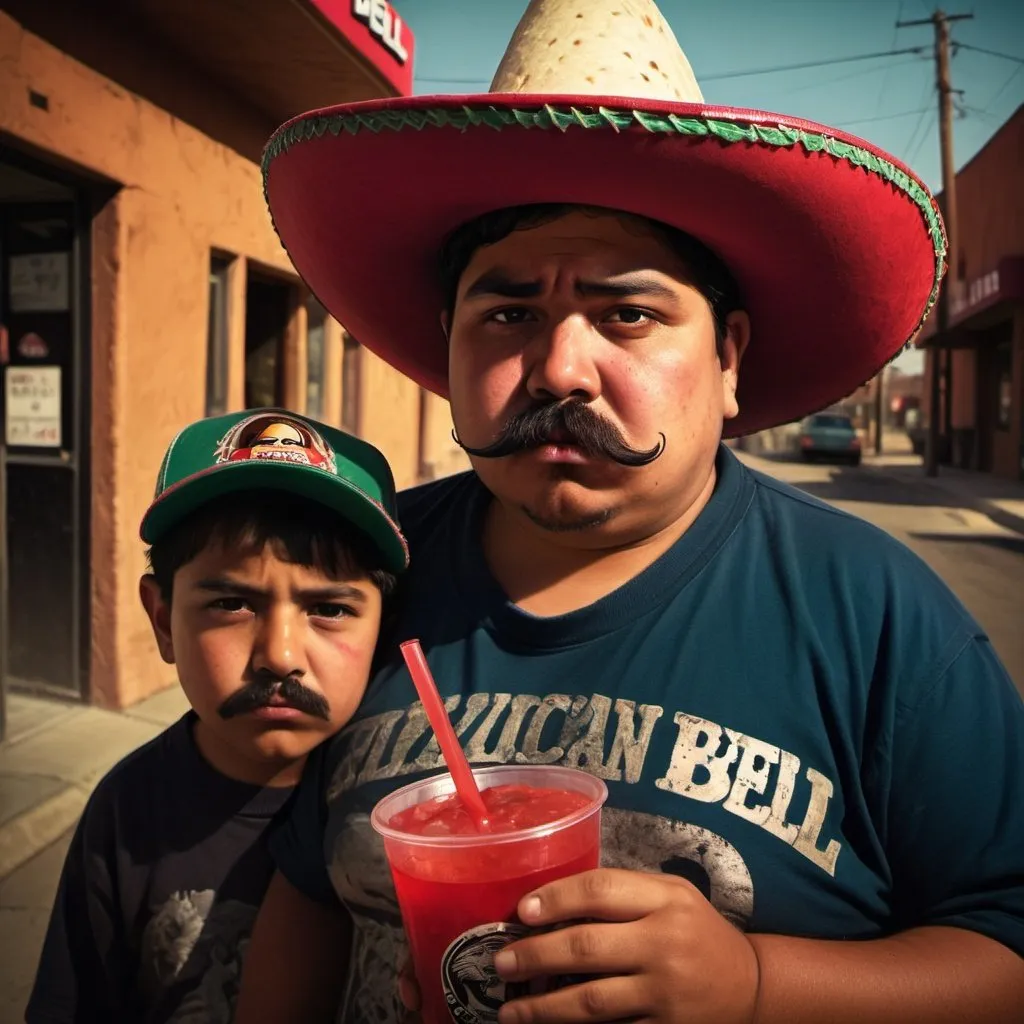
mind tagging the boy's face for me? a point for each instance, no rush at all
(274, 657)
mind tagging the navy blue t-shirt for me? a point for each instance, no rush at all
(788, 707)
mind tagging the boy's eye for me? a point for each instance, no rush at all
(330, 610)
(229, 604)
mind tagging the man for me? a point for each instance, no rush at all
(813, 756)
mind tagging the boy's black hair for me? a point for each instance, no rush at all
(709, 275)
(301, 532)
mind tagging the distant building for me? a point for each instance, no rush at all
(901, 395)
(142, 286)
(981, 357)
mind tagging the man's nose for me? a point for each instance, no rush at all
(279, 648)
(561, 364)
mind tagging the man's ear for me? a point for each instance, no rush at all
(737, 337)
(159, 612)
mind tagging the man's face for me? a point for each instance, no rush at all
(278, 434)
(273, 656)
(600, 310)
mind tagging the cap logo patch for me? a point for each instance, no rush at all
(274, 437)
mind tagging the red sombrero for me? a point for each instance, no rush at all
(837, 247)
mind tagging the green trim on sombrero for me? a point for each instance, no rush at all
(565, 118)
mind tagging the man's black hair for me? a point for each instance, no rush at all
(708, 274)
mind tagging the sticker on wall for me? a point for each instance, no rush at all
(39, 282)
(33, 406)
(31, 346)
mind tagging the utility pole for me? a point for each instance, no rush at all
(941, 21)
(879, 408)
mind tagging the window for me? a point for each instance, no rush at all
(1004, 384)
(267, 314)
(217, 339)
(350, 383)
(316, 353)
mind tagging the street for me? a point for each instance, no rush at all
(982, 563)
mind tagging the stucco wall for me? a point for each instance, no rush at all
(182, 194)
(990, 203)
(179, 193)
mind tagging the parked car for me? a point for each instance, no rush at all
(916, 431)
(829, 436)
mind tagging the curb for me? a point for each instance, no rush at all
(32, 832)
(999, 516)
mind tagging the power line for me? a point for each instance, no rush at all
(452, 81)
(927, 122)
(888, 67)
(990, 53)
(863, 73)
(813, 64)
(738, 74)
(884, 117)
(1006, 85)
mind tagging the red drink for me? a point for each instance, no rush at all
(458, 889)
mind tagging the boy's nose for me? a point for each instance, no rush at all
(279, 649)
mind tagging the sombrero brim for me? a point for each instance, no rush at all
(837, 248)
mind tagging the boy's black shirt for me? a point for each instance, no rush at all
(159, 892)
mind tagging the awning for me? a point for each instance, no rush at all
(285, 56)
(979, 303)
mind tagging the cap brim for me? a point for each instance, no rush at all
(351, 504)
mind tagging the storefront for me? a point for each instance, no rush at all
(142, 286)
(980, 358)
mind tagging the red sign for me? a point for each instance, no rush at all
(375, 28)
(1005, 283)
(31, 346)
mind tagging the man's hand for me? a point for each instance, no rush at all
(660, 952)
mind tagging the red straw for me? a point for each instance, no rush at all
(437, 715)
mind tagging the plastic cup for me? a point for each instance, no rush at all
(458, 893)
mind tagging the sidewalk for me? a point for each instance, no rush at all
(999, 499)
(54, 755)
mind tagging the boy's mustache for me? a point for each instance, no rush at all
(289, 690)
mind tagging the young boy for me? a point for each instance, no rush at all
(273, 542)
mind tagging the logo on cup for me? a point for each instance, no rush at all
(472, 988)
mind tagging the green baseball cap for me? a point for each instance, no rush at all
(273, 449)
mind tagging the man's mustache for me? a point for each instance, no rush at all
(565, 423)
(289, 690)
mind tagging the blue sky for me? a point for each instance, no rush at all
(891, 101)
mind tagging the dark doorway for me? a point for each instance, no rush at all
(994, 382)
(268, 310)
(44, 410)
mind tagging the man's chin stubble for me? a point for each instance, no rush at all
(569, 523)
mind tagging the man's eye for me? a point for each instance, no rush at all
(229, 604)
(329, 610)
(512, 315)
(629, 315)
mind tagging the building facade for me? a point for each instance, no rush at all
(142, 286)
(980, 358)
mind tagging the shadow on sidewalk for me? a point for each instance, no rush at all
(877, 488)
(1001, 542)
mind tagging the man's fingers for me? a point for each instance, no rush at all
(605, 894)
(579, 949)
(605, 999)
